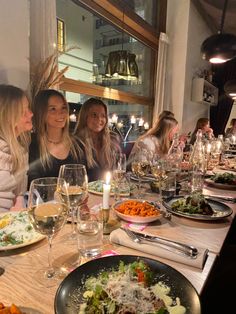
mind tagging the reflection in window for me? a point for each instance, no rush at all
(60, 35)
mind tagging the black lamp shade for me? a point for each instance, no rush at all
(219, 48)
(121, 63)
(230, 88)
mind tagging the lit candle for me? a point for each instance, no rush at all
(73, 117)
(133, 120)
(146, 126)
(233, 139)
(106, 191)
(120, 125)
(208, 148)
(114, 118)
(141, 122)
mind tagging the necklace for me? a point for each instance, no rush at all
(54, 142)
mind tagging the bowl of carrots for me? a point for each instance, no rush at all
(137, 211)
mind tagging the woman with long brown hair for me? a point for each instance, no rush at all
(52, 145)
(98, 143)
(204, 125)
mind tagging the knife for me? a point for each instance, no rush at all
(222, 198)
(186, 249)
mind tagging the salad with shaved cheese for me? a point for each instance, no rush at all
(128, 290)
(16, 229)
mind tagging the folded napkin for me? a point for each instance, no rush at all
(119, 236)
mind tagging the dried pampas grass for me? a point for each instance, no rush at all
(45, 75)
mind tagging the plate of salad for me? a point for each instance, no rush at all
(197, 206)
(225, 181)
(126, 284)
(96, 187)
(16, 231)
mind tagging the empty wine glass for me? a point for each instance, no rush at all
(76, 179)
(48, 211)
(119, 173)
(140, 166)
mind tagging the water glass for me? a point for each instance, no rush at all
(168, 186)
(90, 232)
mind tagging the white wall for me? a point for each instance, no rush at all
(198, 31)
(186, 30)
(14, 35)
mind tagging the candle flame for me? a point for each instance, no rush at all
(108, 178)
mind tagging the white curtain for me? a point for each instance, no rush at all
(160, 87)
(43, 29)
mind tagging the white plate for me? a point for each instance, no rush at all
(35, 235)
(136, 219)
(100, 192)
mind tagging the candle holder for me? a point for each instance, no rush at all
(105, 218)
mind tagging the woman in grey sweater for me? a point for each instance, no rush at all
(15, 124)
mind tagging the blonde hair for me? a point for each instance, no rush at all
(11, 111)
(161, 129)
(84, 134)
(40, 110)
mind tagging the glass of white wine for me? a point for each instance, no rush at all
(140, 167)
(76, 179)
(48, 212)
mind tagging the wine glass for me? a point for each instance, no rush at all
(76, 179)
(119, 173)
(48, 211)
(140, 166)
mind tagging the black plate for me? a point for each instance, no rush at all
(223, 186)
(221, 210)
(180, 286)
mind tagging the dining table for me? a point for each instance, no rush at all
(18, 283)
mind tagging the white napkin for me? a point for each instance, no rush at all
(119, 236)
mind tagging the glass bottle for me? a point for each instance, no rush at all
(175, 154)
(198, 164)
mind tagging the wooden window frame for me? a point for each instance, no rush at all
(135, 26)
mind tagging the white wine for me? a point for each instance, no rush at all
(118, 175)
(76, 195)
(48, 218)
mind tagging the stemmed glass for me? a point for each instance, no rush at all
(140, 167)
(76, 179)
(48, 211)
(119, 173)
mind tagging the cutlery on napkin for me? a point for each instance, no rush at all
(119, 236)
(222, 198)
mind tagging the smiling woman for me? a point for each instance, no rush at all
(52, 145)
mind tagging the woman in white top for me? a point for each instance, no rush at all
(15, 124)
(156, 142)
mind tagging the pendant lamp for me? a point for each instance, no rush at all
(219, 48)
(230, 88)
(121, 64)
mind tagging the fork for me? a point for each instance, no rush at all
(168, 245)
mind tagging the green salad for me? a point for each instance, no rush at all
(193, 204)
(128, 289)
(224, 178)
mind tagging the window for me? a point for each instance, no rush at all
(60, 35)
(99, 28)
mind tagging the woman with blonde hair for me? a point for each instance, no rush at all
(232, 129)
(52, 145)
(15, 124)
(98, 143)
(157, 141)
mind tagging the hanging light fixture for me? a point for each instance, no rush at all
(221, 47)
(121, 64)
(230, 88)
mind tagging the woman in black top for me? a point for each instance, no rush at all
(51, 145)
(99, 145)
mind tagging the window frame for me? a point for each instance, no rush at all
(124, 18)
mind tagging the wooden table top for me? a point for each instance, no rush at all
(18, 284)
